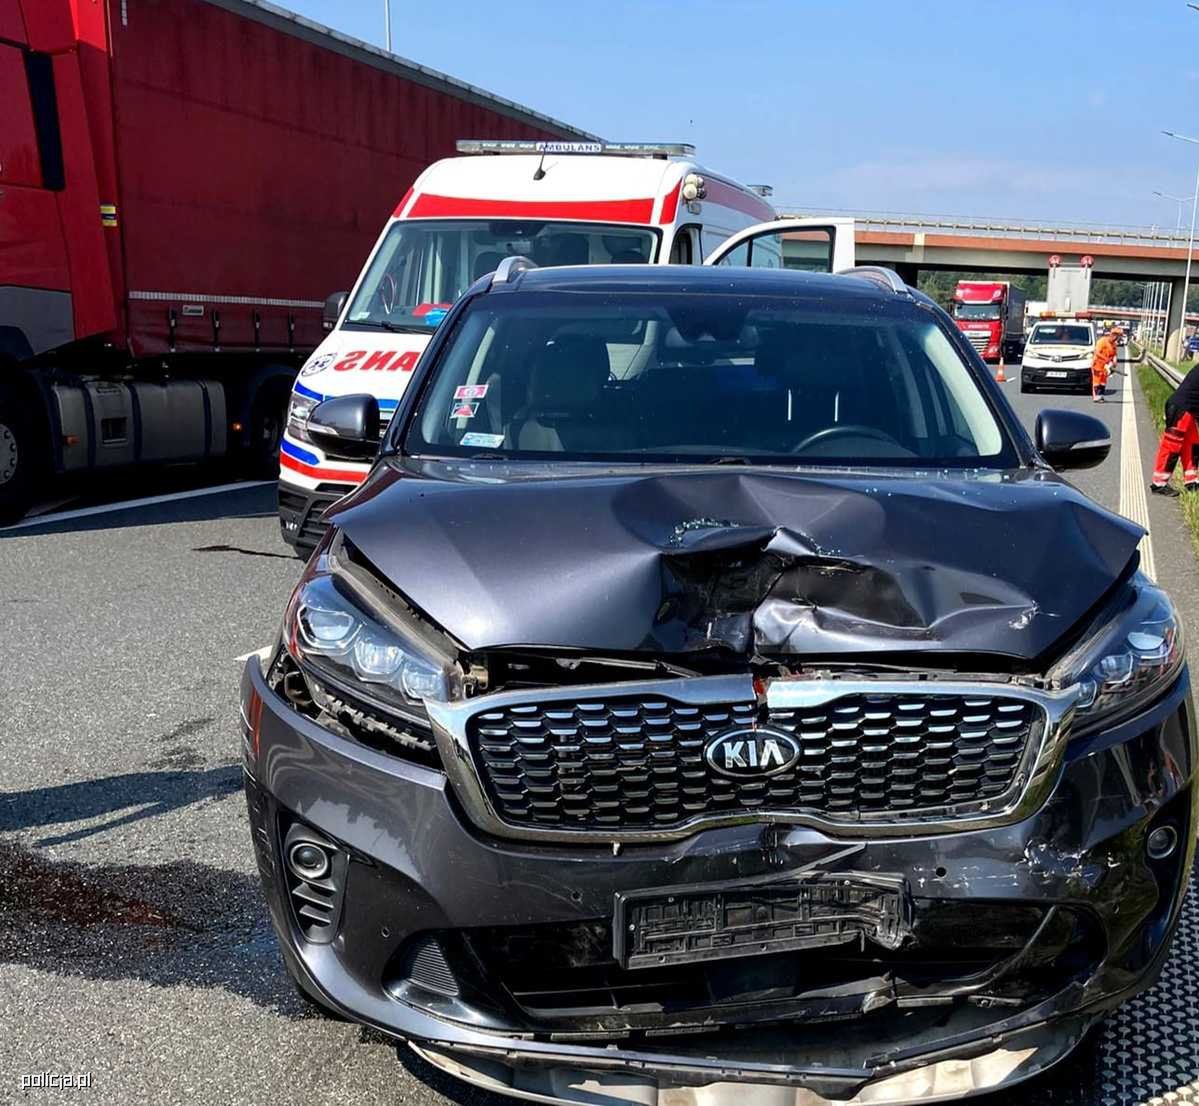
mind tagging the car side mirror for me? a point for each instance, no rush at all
(349, 425)
(332, 310)
(1072, 440)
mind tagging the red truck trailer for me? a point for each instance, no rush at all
(990, 313)
(181, 185)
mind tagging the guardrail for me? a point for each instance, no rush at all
(1001, 228)
(1164, 369)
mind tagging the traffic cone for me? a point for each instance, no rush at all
(999, 377)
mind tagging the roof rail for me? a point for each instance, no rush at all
(528, 146)
(885, 278)
(510, 266)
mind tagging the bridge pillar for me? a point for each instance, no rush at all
(909, 272)
(1175, 330)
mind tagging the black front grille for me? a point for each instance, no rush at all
(639, 763)
(301, 514)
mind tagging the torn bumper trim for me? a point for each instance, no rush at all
(1024, 1054)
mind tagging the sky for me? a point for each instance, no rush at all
(1015, 109)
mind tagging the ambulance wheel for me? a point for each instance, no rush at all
(20, 472)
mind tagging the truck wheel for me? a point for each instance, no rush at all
(18, 457)
(260, 460)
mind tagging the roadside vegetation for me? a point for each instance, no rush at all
(1156, 391)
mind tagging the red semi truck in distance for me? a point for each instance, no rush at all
(181, 186)
(990, 313)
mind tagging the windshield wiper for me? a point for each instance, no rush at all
(730, 461)
(394, 328)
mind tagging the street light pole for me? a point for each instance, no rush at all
(1180, 200)
(1186, 280)
(387, 23)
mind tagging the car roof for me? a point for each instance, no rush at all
(705, 279)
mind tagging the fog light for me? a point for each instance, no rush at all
(1161, 842)
(308, 861)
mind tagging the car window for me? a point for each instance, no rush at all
(659, 377)
(422, 266)
(1069, 334)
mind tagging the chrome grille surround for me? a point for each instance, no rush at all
(1032, 780)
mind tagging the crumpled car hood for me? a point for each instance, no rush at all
(760, 562)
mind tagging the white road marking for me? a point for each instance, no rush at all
(262, 654)
(132, 504)
(1134, 502)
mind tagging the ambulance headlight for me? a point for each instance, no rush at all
(298, 411)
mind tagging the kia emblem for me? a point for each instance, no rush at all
(752, 752)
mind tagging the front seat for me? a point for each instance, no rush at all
(566, 409)
(565, 249)
(487, 262)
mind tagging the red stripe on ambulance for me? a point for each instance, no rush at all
(430, 206)
(317, 472)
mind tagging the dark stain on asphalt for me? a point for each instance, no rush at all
(186, 757)
(244, 552)
(186, 729)
(37, 889)
(183, 923)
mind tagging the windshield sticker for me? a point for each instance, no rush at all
(487, 441)
(317, 363)
(470, 391)
(464, 410)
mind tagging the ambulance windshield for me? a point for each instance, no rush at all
(423, 266)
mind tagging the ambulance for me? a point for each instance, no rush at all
(556, 203)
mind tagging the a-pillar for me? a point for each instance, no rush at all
(1175, 331)
(908, 272)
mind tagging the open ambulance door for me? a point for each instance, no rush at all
(813, 245)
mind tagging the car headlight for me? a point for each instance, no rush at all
(343, 627)
(1125, 663)
(298, 411)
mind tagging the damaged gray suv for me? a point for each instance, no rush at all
(712, 692)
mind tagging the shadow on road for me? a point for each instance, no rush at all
(254, 501)
(128, 798)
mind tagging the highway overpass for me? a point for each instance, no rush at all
(910, 243)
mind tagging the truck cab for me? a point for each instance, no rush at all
(990, 314)
(555, 203)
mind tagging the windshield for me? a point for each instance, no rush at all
(976, 311)
(421, 267)
(673, 377)
(1059, 335)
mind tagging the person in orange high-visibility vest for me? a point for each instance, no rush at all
(1103, 360)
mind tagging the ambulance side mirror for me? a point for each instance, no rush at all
(333, 308)
(347, 425)
(1072, 440)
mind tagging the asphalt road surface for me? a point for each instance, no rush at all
(134, 945)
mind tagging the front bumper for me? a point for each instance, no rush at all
(302, 511)
(1077, 376)
(415, 869)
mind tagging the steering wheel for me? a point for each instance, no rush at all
(848, 430)
(387, 293)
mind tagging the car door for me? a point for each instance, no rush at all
(816, 245)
